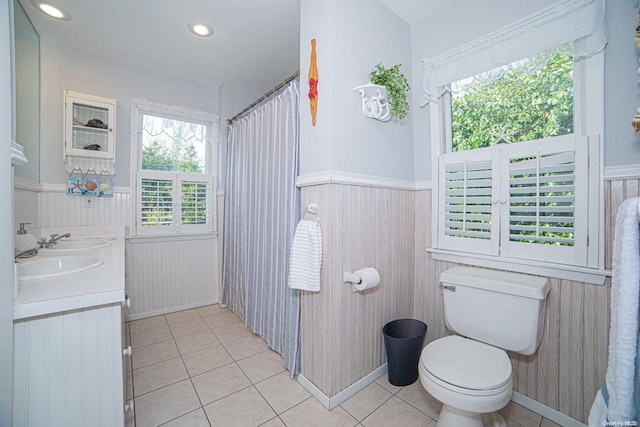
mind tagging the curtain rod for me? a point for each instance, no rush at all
(265, 96)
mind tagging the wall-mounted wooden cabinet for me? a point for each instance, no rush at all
(89, 126)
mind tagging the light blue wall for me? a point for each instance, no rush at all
(79, 71)
(352, 37)
(622, 92)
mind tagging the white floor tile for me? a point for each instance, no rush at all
(245, 408)
(218, 383)
(158, 375)
(193, 419)
(165, 404)
(206, 359)
(281, 392)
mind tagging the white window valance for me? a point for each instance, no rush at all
(579, 21)
(144, 106)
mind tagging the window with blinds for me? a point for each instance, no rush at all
(174, 174)
(527, 200)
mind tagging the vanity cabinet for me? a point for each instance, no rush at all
(68, 368)
(89, 126)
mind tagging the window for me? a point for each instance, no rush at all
(516, 147)
(174, 174)
(523, 101)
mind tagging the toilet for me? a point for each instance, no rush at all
(490, 312)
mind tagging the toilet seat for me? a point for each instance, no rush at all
(466, 366)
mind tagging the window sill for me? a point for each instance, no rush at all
(568, 272)
(171, 237)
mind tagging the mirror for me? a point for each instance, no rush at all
(27, 93)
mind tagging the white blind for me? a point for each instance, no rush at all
(172, 202)
(546, 215)
(196, 201)
(467, 190)
(542, 198)
(156, 202)
(527, 200)
(467, 200)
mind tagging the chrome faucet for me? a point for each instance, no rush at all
(53, 240)
(26, 252)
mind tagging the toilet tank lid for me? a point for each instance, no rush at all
(498, 281)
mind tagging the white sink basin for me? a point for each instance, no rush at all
(45, 268)
(75, 246)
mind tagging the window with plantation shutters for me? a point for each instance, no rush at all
(515, 118)
(527, 200)
(174, 176)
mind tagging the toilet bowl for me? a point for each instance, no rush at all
(490, 312)
(469, 378)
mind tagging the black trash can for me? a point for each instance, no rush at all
(403, 340)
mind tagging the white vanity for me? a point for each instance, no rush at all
(69, 352)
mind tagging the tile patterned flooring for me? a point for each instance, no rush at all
(204, 367)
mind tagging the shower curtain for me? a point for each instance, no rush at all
(262, 208)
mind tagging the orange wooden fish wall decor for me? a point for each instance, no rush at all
(313, 83)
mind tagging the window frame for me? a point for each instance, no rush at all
(142, 107)
(588, 125)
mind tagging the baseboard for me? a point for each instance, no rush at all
(138, 316)
(545, 411)
(335, 401)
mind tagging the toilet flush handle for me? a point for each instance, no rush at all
(448, 287)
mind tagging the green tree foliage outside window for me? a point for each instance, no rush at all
(521, 106)
(173, 146)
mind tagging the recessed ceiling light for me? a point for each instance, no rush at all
(202, 30)
(51, 10)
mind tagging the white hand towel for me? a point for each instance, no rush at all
(305, 258)
(615, 401)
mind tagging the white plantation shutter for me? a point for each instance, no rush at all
(195, 206)
(172, 202)
(468, 184)
(528, 200)
(545, 218)
(156, 202)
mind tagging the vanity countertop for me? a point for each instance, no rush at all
(98, 286)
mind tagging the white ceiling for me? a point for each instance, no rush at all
(255, 44)
(414, 11)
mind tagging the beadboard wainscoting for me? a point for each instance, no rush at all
(166, 274)
(341, 333)
(163, 274)
(58, 209)
(68, 368)
(570, 365)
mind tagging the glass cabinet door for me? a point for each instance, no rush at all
(89, 126)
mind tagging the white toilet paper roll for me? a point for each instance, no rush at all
(369, 278)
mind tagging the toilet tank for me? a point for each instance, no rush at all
(500, 308)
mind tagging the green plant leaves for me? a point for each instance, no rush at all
(397, 88)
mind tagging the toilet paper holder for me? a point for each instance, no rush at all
(349, 277)
(362, 279)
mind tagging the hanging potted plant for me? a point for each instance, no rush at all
(397, 88)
